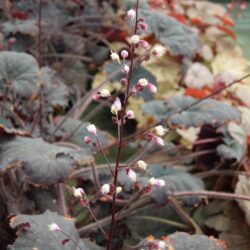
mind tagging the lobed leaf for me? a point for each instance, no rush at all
(19, 72)
(33, 233)
(175, 181)
(208, 111)
(42, 163)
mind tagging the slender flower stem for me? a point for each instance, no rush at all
(104, 154)
(97, 222)
(120, 134)
(205, 194)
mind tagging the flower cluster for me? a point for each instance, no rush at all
(156, 133)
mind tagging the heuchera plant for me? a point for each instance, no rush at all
(50, 167)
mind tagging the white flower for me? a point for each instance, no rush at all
(141, 164)
(161, 244)
(125, 69)
(92, 129)
(135, 39)
(156, 182)
(118, 190)
(152, 88)
(131, 174)
(116, 106)
(160, 130)
(159, 140)
(143, 82)
(131, 13)
(105, 189)
(78, 192)
(104, 93)
(130, 114)
(159, 50)
(124, 53)
(54, 227)
(114, 56)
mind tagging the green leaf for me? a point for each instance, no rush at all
(175, 181)
(55, 91)
(19, 72)
(41, 162)
(139, 72)
(179, 38)
(33, 233)
(184, 241)
(235, 142)
(208, 111)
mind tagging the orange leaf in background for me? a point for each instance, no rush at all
(227, 31)
(225, 20)
(197, 93)
(196, 21)
(179, 18)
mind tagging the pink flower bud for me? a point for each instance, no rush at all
(124, 54)
(152, 88)
(131, 13)
(144, 26)
(130, 114)
(125, 69)
(124, 82)
(133, 91)
(92, 129)
(144, 44)
(131, 174)
(96, 97)
(243, 5)
(159, 140)
(87, 139)
(156, 182)
(116, 106)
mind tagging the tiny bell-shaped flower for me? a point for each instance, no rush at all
(156, 182)
(130, 114)
(143, 82)
(96, 97)
(92, 129)
(118, 190)
(161, 245)
(125, 69)
(135, 39)
(141, 164)
(144, 44)
(159, 50)
(105, 189)
(152, 88)
(131, 13)
(160, 130)
(78, 192)
(131, 174)
(159, 140)
(124, 54)
(104, 93)
(87, 139)
(54, 227)
(114, 56)
(144, 26)
(116, 106)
